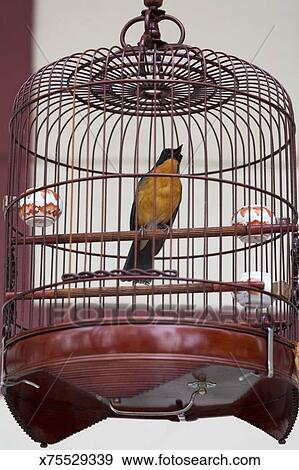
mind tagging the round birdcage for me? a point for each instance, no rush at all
(214, 312)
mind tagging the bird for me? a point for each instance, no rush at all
(156, 204)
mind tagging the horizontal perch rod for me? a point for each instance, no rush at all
(237, 230)
(195, 287)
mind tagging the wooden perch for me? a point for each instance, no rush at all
(210, 232)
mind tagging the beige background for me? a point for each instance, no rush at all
(263, 30)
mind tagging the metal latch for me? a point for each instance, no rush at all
(7, 200)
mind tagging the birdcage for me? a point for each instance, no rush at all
(204, 324)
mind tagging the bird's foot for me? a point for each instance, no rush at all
(165, 227)
(142, 231)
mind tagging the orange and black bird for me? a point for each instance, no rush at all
(156, 204)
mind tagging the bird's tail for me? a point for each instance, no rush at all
(142, 258)
(139, 259)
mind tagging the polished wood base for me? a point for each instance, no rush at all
(83, 369)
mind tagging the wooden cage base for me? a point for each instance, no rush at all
(81, 370)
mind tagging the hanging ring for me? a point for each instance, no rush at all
(127, 27)
(180, 25)
(146, 19)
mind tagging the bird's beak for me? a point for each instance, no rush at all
(177, 153)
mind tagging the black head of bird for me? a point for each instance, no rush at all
(167, 154)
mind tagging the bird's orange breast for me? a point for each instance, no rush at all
(158, 197)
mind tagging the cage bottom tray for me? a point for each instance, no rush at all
(89, 372)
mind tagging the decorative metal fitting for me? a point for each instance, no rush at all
(201, 387)
(152, 35)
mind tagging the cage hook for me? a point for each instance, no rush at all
(151, 17)
(10, 383)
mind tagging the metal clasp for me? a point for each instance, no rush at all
(6, 201)
(268, 325)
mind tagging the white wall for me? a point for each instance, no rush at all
(266, 30)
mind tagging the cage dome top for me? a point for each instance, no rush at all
(155, 77)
